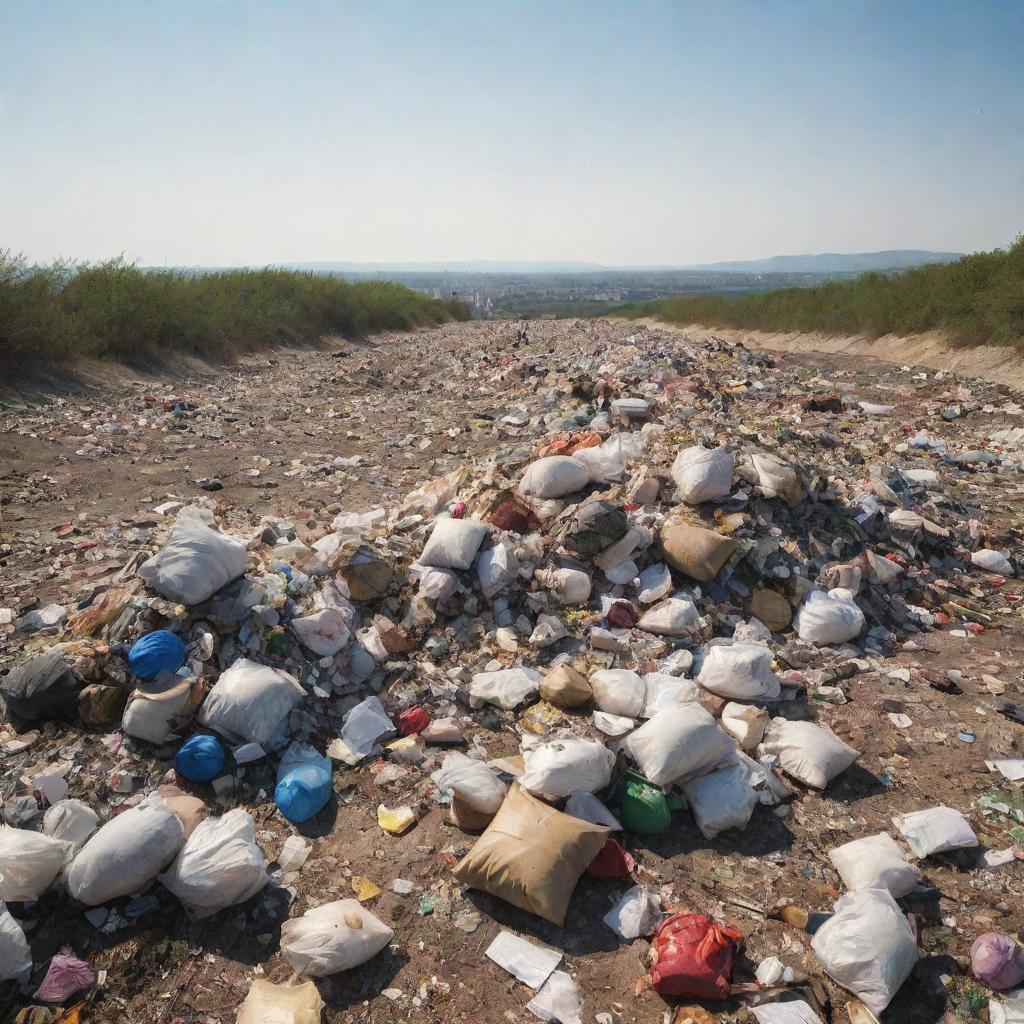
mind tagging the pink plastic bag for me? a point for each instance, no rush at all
(65, 976)
(997, 961)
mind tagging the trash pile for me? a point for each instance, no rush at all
(625, 674)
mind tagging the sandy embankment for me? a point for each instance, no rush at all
(932, 349)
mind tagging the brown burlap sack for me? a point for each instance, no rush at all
(695, 551)
(532, 856)
(189, 809)
(565, 687)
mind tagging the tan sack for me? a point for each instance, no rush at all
(532, 856)
(695, 551)
(282, 1004)
(565, 687)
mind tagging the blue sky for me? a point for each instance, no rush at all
(223, 132)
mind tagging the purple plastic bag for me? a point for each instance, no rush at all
(997, 960)
(65, 976)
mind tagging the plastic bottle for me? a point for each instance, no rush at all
(303, 783)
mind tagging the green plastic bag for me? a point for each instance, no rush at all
(644, 809)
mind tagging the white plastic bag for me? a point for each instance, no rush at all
(776, 478)
(679, 740)
(874, 409)
(453, 543)
(364, 724)
(703, 474)
(791, 1012)
(267, 1003)
(655, 582)
(828, 618)
(992, 561)
(219, 866)
(569, 586)
(675, 617)
(554, 477)
(507, 687)
(637, 913)
(935, 830)
(663, 690)
(812, 754)
(496, 568)
(721, 800)
(436, 584)
(619, 691)
(157, 708)
(739, 671)
(875, 862)
(558, 1001)
(324, 632)
(607, 461)
(470, 782)
(587, 807)
(867, 947)
(29, 862)
(549, 630)
(558, 767)
(126, 853)
(745, 723)
(334, 937)
(70, 821)
(195, 561)
(15, 955)
(249, 701)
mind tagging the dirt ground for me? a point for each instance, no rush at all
(412, 408)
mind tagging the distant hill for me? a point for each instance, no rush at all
(974, 301)
(820, 263)
(456, 267)
(832, 262)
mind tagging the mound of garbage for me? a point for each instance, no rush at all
(643, 621)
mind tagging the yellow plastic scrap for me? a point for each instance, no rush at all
(395, 821)
(364, 888)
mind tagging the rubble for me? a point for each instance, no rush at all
(759, 635)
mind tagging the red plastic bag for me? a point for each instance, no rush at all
(611, 862)
(693, 956)
(413, 721)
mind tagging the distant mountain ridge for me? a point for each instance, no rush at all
(807, 263)
(832, 262)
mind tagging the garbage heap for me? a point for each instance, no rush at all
(634, 624)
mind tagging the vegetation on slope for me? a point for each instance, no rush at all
(979, 299)
(51, 316)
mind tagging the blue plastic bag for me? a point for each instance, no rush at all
(156, 652)
(200, 758)
(303, 783)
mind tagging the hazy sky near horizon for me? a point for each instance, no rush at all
(671, 132)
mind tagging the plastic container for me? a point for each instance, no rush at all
(156, 652)
(303, 783)
(200, 758)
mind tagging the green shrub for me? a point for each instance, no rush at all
(50, 316)
(977, 300)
